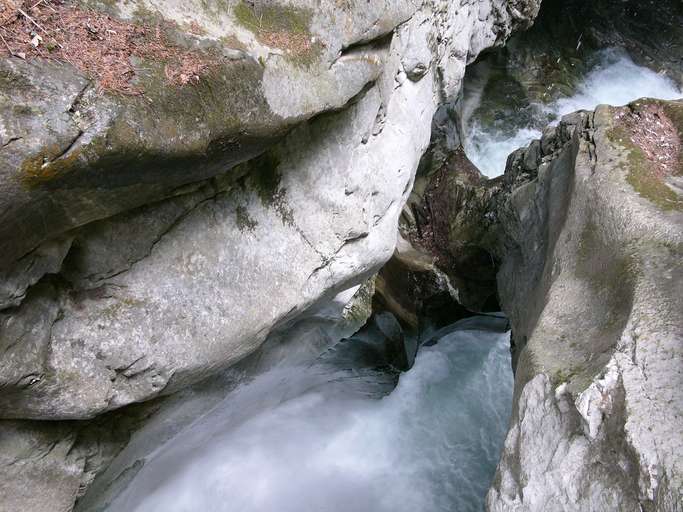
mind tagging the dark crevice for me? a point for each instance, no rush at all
(361, 49)
(67, 149)
(11, 139)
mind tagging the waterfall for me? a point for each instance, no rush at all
(328, 436)
(615, 80)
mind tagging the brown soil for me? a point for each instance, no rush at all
(295, 43)
(650, 129)
(98, 45)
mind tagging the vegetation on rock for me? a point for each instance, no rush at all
(101, 47)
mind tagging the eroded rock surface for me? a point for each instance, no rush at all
(452, 218)
(591, 280)
(223, 261)
(149, 241)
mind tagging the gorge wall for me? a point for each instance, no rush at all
(592, 240)
(579, 240)
(152, 239)
(232, 192)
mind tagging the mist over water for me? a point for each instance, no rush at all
(318, 439)
(614, 80)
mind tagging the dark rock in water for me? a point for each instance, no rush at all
(448, 216)
(489, 323)
(381, 343)
(548, 60)
(401, 349)
(413, 288)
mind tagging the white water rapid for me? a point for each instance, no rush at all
(614, 80)
(318, 438)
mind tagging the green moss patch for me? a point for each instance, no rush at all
(286, 28)
(273, 18)
(651, 186)
(642, 176)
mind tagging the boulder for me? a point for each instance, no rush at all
(451, 219)
(73, 152)
(149, 300)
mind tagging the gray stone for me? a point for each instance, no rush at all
(27, 271)
(71, 154)
(451, 204)
(162, 296)
(591, 280)
(38, 470)
(182, 258)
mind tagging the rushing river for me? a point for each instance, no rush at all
(614, 80)
(328, 437)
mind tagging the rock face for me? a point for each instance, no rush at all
(149, 241)
(325, 200)
(591, 279)
(451, 218)
(22, 445)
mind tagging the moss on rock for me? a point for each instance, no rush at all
(273, 18)
(286, 28)
(642, 177)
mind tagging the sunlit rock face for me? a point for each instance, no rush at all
(591, 280)
(223, 261)
(150, 241)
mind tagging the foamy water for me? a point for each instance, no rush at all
(310, 440)
(615, 80)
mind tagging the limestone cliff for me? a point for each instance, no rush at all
(149, 240)
(591, 279)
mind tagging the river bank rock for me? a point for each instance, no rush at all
(591, 278)
(451, 219)
(325, 201)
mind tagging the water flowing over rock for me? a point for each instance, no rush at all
(578, 54)
(256, 221)
(591, 279)
(334, 434)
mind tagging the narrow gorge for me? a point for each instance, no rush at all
(341, 255)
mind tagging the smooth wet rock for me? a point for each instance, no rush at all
(161, 296)
(414, 290)
(72, 154)
(452, 220)
(39, 469)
